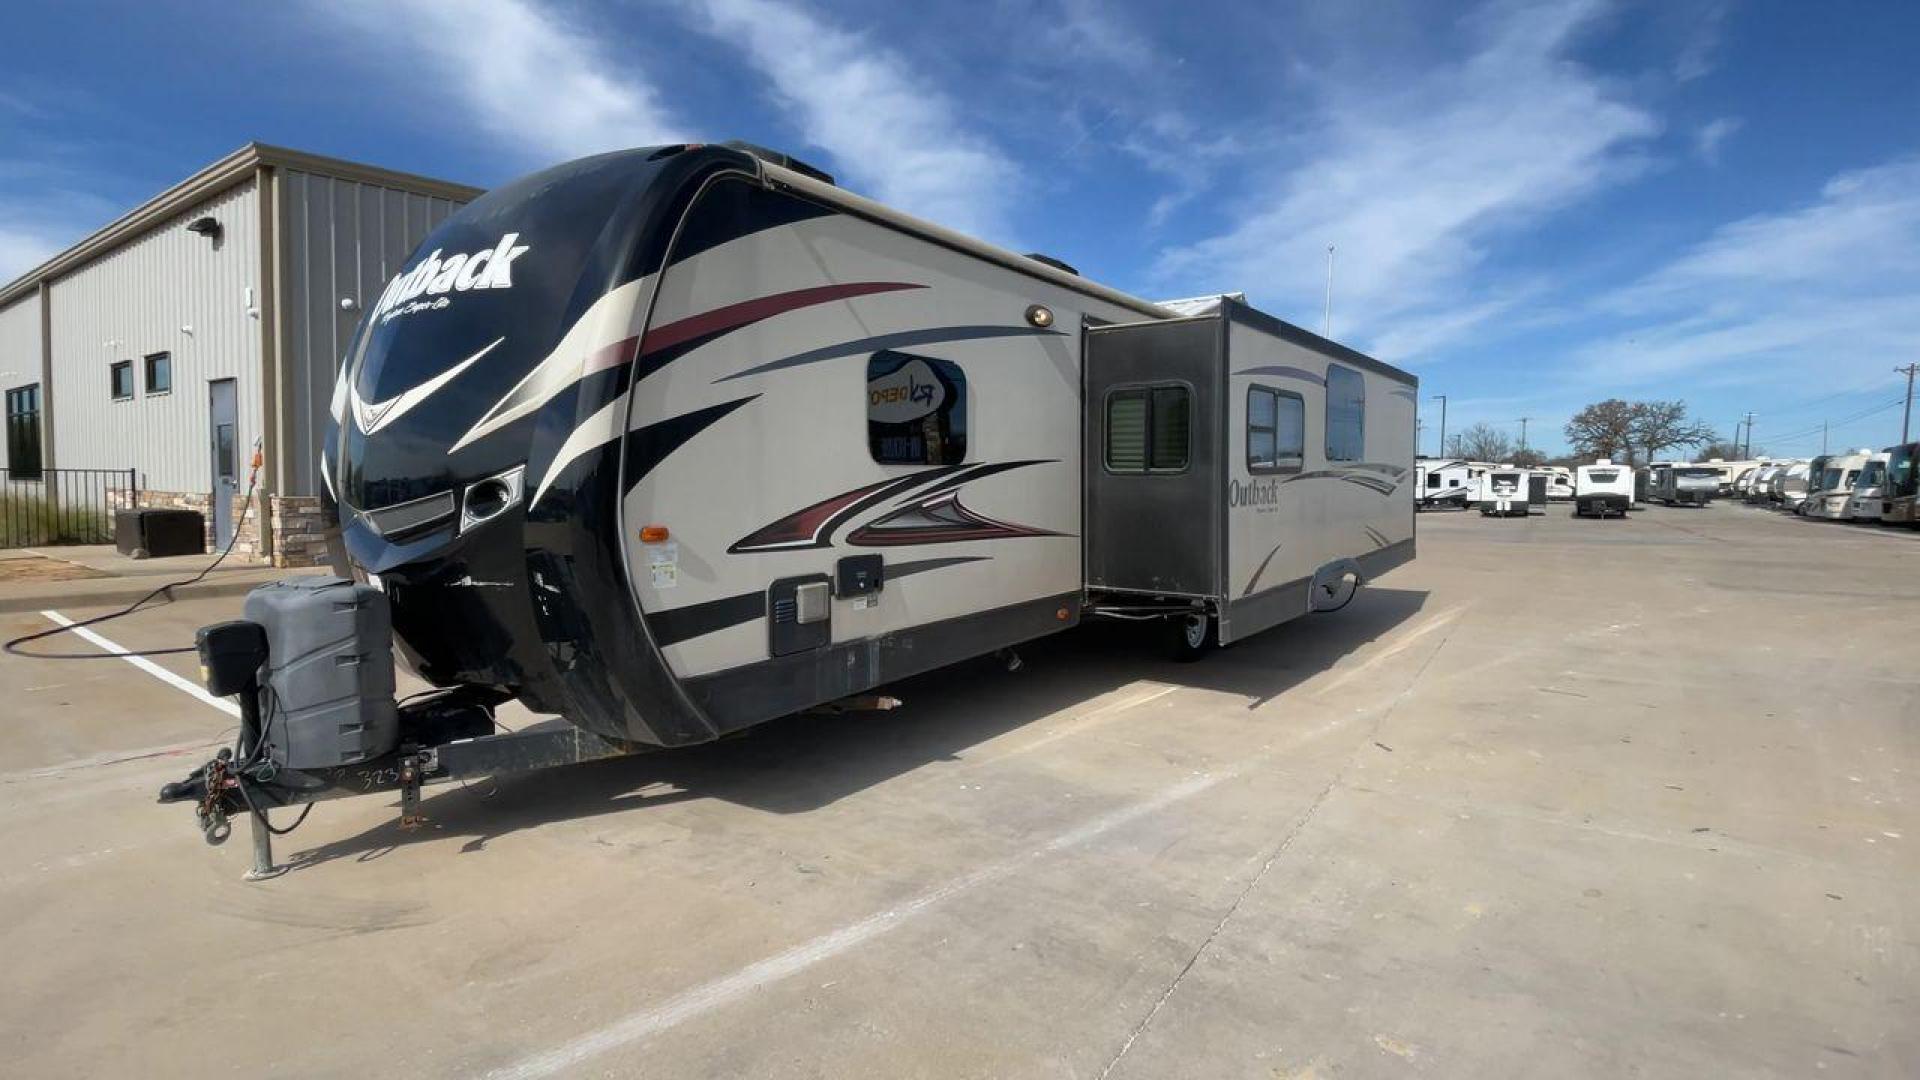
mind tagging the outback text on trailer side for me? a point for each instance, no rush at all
(669, 442)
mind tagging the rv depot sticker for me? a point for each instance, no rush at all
(491, 268)
(907, 393)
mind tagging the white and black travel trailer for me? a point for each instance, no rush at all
(1829, 492)
(1760, 487)
(669, 442)
(1503, 493)
(1868, 502)
(1440, 483)
(1676, 483)
(1559, 482)
(1602, 488)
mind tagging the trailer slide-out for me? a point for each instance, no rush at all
(669, 442)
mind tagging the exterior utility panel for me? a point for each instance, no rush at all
(673, 441)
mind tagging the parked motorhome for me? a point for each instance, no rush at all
(1901, 505)
(670, 442)
(1602, 488)
(1503, 493)
(1830, 490)
(1440, 483)
(1869, 492)
(1680, 484)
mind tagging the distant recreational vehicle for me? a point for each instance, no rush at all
(1677, 484)
(1900, 497)
(1829, 492)
(1503, 493)
(1559, 482)
(1442, 483)
(1602, 488)
(1789, 486)
(1868, 500)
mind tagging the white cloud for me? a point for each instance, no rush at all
(1706, 141)
(1818, 292)
(1413, 187)
(540, 85)
(890, 133)
(43, 211)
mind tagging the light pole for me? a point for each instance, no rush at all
(1523, 433)
(1442, 399)
(1906, 419)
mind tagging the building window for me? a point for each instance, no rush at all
(916, 410)
(23, 432)
(1346, 414)
(120, 377)
(159, 373)
(1148, 429)
(1276, 430)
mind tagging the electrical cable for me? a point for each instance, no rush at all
(13, 646)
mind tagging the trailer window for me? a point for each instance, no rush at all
(1433, 479)
(1346, 414)
(1148, 429)
(916, 409)
(1276, 430)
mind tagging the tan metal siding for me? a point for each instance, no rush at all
(344, 239)
(20, 352)
(141, 298)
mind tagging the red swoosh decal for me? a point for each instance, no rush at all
(734, 316)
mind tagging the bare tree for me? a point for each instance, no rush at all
(1528, 458)
(1664, 425)
(1725, 451)
(1604, 429)
(1484, 442)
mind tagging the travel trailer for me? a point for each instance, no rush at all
(1679, 484)
(1760, 489)
(1830, 491)
(1602, 488)
(1440, 483)
(1503, 493)
(1559, 482)
(1744, 482)
(1727, 473)
(1869, 492)
(673, 441)
(1901, 504)
(1789, 485)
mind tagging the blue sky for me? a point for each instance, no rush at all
(1533, 206)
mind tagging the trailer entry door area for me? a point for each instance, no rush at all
(1153, 457)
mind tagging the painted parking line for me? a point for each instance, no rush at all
(185, 686)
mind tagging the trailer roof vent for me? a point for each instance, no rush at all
(775, 157)
(1053, 262)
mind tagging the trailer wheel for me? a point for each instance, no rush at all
(1192, 637)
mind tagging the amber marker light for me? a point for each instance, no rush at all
(653, 534)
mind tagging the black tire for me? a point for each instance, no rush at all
(1190, 637)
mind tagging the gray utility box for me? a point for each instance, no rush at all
(327, 688)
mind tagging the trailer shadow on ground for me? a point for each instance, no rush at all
(804, 762)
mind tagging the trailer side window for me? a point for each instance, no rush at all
(1147, 429)
(1276, 430)
(1346, 414)
(916, 409)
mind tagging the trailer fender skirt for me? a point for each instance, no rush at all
(1335, 584)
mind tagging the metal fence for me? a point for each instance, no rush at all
(62, 506)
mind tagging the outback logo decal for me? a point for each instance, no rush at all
(1260, 493)
(435, 277)
(907, 393)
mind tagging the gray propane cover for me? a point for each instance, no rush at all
(328, 681)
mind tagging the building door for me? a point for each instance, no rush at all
(223, 423)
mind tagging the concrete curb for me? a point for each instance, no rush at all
(127, 590)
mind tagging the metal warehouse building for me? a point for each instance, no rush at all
(209, 318)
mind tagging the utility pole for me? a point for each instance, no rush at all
(1326, 318)
(1823, 436)
(1523, 432)
(1442, 398)
(1906, 419)
(1746, 451)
